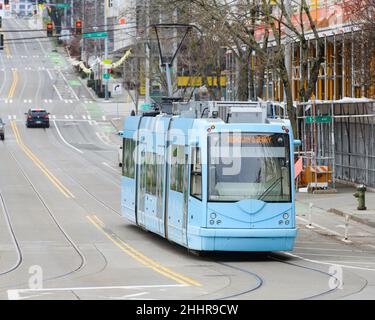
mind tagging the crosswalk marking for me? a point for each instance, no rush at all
(70, 117)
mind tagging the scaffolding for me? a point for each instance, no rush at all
(337, 142)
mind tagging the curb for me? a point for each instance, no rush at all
(89, 90)
(353, 217)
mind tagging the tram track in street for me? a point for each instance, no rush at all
(72, 244)
(94, 197)
(13, 236)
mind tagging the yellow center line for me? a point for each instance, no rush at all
(14, 84)
(14, 72)
(140, 257)
(40, 164)
(7, 48)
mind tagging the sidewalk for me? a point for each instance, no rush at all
(342, 203)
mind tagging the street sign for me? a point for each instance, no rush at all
(309, 120)
(323, 119)
(95, 35)
(60, 5)
(318, 119)
(117, 88)
(106, 76)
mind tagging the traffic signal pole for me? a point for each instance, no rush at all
(106, 81)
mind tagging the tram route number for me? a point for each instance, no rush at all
(188, 310)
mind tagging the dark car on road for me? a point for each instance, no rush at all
(2, 130)
(37, 118)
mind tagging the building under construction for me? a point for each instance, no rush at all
(337, 128)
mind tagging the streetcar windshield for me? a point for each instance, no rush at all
(249, 166)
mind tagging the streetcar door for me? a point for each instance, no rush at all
(177, 194)
(141, 183)
(186, 197)
(195, 205)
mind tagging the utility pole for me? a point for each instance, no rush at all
(147, 64)
(106, 49)
(71, 14)
(83, 15)
(288, 48)
(66, 13)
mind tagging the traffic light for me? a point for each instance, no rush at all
(1, 22)
(49, 29)
(78, 27)
(1, 42)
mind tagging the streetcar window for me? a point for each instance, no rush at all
(249, 166)
(196, 173)
(128, 167)
(160, 184)
(151, 173)
(177, 168)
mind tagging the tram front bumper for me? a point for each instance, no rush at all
(256, 240)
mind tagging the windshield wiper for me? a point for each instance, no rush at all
(273, 185)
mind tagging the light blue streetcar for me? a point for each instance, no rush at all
(211, 176)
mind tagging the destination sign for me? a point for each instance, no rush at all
(250, 139)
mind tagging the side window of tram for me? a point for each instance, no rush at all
(128, 168)
(177, 168)
(196, 173)
(151, 173)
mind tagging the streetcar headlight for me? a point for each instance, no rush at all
(213, 215)
(286, 216)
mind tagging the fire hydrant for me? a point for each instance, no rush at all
(360, 195)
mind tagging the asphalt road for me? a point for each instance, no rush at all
(61, 233)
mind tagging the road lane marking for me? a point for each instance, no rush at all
(325, 262)
(140, 257)
(49, 74)
(110, 167)
(104, 139)
(321, 227)
(71, 89)
(14, 84)
(14, 294)
(63, 140)
(58, 93)
(321, 249)
(40, 164)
